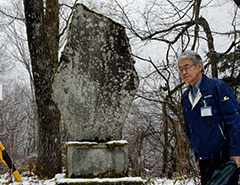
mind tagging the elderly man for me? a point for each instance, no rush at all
(212, 118)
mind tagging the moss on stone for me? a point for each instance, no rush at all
(80, 144)
(113, 145)
(107, 174)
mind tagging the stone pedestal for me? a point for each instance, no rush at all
(91, 159)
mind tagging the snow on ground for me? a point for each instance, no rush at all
(175, 182)
(33, 180)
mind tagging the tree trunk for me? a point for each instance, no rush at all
(196, 29)
(237, 2)
(203, 22)
(42, 32)
(165, 167)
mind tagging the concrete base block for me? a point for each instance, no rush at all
(102, 160)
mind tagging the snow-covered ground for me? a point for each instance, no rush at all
(33, 180)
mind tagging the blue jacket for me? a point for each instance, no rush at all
(213, 124)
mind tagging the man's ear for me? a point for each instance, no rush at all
(200, 65)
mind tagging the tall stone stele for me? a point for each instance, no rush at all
(94, 86)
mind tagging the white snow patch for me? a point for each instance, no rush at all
(98, 180)
(33, 180)
(81, 143)
(117, 142)
(95, 143)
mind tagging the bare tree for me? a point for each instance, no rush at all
(43, 33)
(177, 26)
(43, 40)
(15, 114)
(47, 25)
(173, 26)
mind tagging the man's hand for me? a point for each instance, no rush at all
(197, 166)
(236, 159)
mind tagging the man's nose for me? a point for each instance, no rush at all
(184, 71)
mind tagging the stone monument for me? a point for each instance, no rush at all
(94, 86)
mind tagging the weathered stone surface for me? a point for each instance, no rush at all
(91, 159)
(95, 82)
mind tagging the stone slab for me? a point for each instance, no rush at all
(91, 159)
(95, 82)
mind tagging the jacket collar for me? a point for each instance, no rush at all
(204, 84)
(196, 100)
(203, 87)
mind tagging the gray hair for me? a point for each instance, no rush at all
(189, 54)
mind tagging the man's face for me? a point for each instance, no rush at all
(189, 72)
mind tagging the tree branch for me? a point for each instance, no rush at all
(12, 17)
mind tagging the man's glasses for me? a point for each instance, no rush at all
(185, 68)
